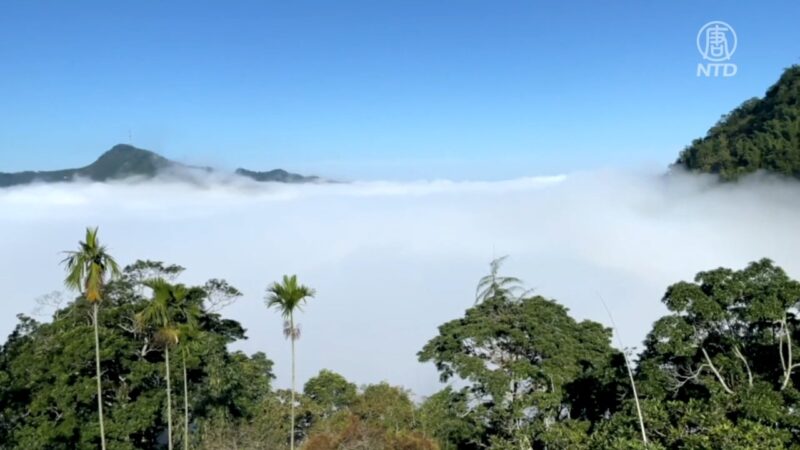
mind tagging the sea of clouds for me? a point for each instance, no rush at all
(393, 260)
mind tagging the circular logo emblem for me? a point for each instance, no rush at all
(716, 41)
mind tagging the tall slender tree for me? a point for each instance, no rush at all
(159, 314)
(188, 310)
(288, 297)
(88, 269)
(185, 400)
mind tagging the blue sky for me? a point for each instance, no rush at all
(411, 89)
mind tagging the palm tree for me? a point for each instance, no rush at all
(189, 313)
(288, 297)
(496, 285)
(159, 314)
(87, 271)
(185, 399)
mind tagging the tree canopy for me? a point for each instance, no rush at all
(534, 374)
(720, 371)
(47, 392)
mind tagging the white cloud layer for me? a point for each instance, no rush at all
(391, 261)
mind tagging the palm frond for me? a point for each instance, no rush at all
(168, 336)
(494, 284)
(173, 311)
(89, 266)
(288, 296)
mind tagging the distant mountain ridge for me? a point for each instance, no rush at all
(126, 161)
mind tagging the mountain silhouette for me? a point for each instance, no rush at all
(124, 161)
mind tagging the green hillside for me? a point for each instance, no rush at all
(761, 134)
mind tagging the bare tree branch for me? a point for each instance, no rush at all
(788, 367)
(681, 380)
(630, 372)
(716, 372)
(746, 365)
(48, 304)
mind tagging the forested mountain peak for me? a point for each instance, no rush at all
(124, 160)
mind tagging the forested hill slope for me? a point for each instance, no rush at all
(762, 133)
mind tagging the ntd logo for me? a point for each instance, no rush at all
(716, 42)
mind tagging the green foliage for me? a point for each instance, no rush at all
(495, 284)
(724, 362)
(385, 406)
(382, 417)
(48, 399)
(89, 267)
(288, 296)
(523, 359)
(738, 323)
(266, 428)
(331, 392)
(760, 134)
(448, 417)
(718, 371)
